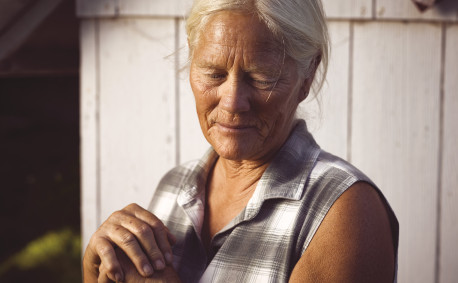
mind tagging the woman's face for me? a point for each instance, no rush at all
(246, 88)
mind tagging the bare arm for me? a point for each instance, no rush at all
(353, 243)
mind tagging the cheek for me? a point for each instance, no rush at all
(204, 98)
(279, 111)
(283, 101)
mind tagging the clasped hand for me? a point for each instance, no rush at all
(131, 243)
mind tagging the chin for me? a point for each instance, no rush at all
(234, 152)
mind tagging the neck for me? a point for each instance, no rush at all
(237, 179)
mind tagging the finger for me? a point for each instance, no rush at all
(129, 243)
(149, 218)
(162, 239)
(162, 235)
(148, 240)
(103, 276)
(108, 258)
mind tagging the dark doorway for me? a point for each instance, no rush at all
(39, 154)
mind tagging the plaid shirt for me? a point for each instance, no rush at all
(265, 241)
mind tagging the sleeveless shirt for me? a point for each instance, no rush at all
(266, 240)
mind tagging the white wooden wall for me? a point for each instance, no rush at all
(390, 106)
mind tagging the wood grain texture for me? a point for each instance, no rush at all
(395, 126)
(449, 177)
(192, 142)
(88, 130)
(354, 9)
(446, 10)
(327, 115)
(110, 8)
(137, 109)
(335, 9)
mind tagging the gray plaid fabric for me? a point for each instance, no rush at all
(265, 241)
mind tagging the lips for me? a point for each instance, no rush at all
(234, 126)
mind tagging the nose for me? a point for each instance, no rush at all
(234, 96)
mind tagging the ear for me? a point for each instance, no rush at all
(307, 83)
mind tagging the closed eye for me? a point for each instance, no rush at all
(263, 84)
(216, 76)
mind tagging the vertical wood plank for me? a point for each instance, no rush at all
(329, 124)
(338, 9)
(449, 176)
(88, 129)
(192, 142)
(395, 125)
(406, 10)
(109, 8)
(137, 104)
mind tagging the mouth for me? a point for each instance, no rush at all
(233, 128)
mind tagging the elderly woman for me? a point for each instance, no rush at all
(265, 203)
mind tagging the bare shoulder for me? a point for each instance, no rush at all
(353, 243)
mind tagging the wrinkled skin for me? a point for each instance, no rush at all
(132, 276)
(246, 88)
(139, 234)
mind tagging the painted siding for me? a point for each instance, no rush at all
(137, 8)
(192, 142)
(89, 130)
(395, 127)
(405, 10)
(449, 173)
(137, 109)
(327, 114)
(349, 9)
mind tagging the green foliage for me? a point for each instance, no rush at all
(54, 257)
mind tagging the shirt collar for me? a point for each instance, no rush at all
(287, 174)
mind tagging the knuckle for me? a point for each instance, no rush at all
(92, 241)
(132, 206)
(143, 230)
(117, 214)
(155, 254)
(128, 239)
(110, 268)
(159, 227)
(103, 250)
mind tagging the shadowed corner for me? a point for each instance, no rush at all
(423, 5)
(445, 7)
(55, 254)
(39, 142)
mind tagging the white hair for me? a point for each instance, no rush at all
(299, 24)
